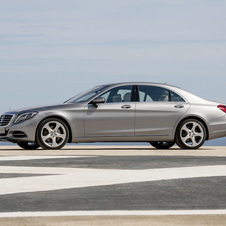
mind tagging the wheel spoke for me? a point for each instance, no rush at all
(199, 134)
(57, 127)
(62, 136)
(194, 125)
(194, 142)
(185, 128)
(44, 138)
(47, 127)
(185, 139)
(54, 142)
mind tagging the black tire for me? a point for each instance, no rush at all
(52, 133)
(190, 134)
(162, 145)
(28, 145)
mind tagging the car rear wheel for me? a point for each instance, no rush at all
(162, 145)
(28, 145)
(52, 133)
(191, 134)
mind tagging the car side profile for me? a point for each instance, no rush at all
(160, 114)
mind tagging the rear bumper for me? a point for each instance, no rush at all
(217, 134)
(217, 130)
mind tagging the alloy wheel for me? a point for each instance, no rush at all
(52, 134)
(192, 134)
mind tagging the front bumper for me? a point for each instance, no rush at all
(24, 131)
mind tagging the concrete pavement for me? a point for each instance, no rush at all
(112, 185)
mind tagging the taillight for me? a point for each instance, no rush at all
(222, 108)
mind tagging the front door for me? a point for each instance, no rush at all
(113, 118)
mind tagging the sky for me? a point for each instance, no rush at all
(52, 50)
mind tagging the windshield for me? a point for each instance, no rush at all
(84, 96)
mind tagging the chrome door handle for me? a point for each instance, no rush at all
(179, 106)
(126, 106)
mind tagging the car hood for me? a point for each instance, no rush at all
(45, 108)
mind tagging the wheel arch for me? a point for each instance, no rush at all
(197, 118)
(62, 119)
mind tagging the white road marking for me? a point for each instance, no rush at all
(114, 213)
(66, 178)
(21, 158)
(63, 178)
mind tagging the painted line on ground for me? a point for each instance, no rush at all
(68, 178)
(113, 213)
(22, 158)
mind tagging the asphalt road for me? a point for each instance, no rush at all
(108, 185)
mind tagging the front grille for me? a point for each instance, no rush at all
(5, 120)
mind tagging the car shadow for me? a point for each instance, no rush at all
(105, 148)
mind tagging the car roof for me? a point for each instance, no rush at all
(141, 83)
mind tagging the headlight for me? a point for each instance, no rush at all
(25, 116)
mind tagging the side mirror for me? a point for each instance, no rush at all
(98, 100)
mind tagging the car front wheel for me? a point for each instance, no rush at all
(191, 134)
(52, 133)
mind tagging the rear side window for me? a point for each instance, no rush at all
(176, 98)
(155, 93)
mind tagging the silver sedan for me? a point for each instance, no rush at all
(124, 112)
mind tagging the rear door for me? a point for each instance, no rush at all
(157, 111)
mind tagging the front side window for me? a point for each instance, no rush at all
(118, 94)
